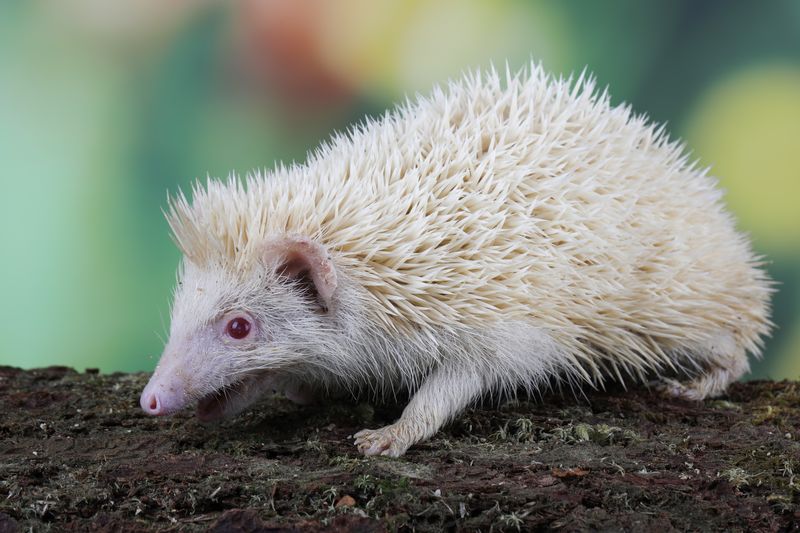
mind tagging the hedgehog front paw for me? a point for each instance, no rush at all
(384, 441)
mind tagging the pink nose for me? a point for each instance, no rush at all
(158, 400)
(151, 404)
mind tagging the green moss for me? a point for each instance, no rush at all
(602, 434)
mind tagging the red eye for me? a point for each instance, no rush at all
(238, 328)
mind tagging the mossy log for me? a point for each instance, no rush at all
(77, 454)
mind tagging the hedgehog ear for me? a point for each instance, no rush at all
(305, 262)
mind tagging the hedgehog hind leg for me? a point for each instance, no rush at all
(710, 385)
(724, 362)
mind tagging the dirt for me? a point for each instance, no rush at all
(76, 454)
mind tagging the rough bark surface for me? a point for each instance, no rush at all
(77, 454)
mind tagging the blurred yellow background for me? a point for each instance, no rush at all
(107, 106)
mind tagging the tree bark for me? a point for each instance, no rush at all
(76, 453)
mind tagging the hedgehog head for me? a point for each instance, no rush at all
(237, 332)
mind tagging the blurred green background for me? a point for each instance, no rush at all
(107, 106)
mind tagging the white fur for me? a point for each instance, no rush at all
(498, 234)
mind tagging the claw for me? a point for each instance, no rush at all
(382, 441)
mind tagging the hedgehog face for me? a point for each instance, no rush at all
(235, 336)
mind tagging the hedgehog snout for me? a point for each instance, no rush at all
(163, 397)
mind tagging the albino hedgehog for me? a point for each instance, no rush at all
(500, 235)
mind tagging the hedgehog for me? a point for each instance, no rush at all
(512, 232)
